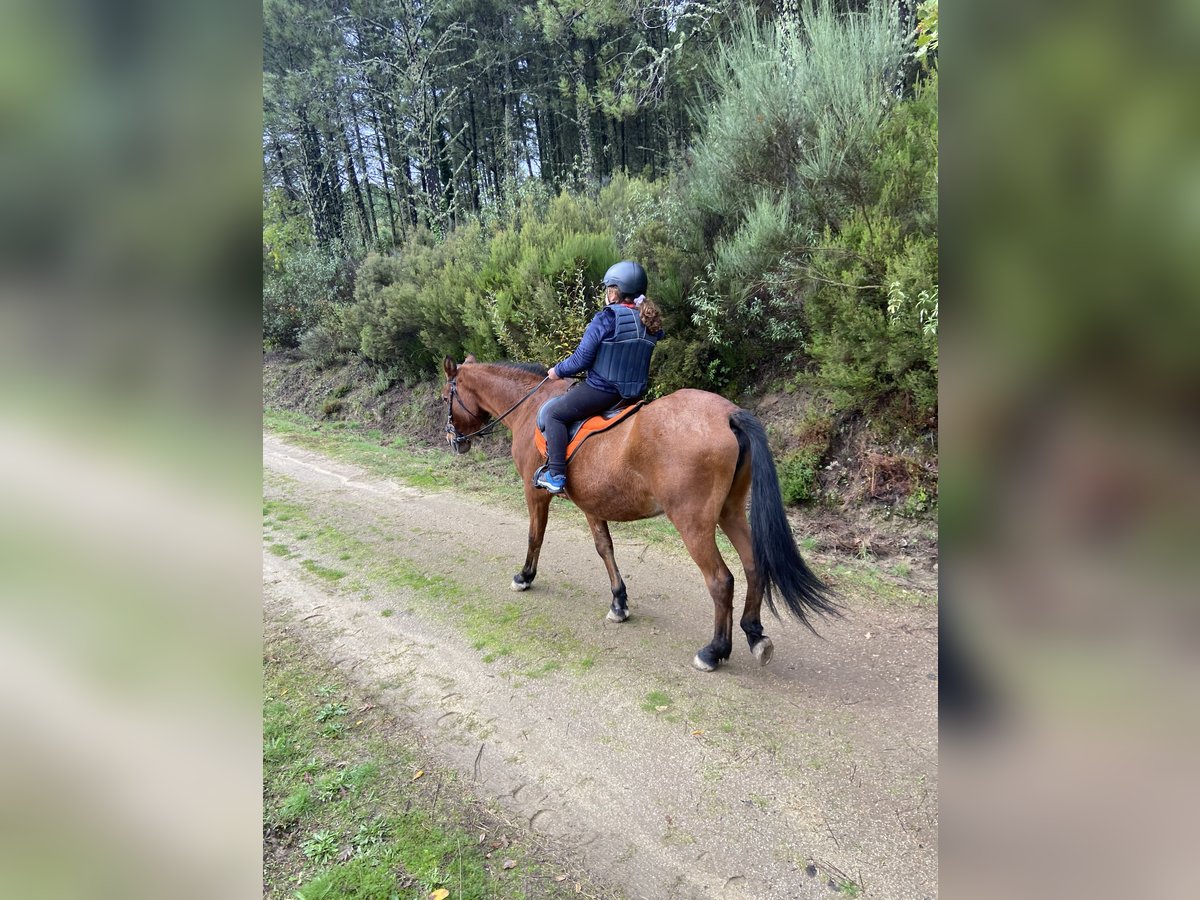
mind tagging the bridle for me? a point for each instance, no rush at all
(455, 437)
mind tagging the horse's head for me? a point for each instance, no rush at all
(462, 420)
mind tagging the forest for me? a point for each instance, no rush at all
(443, 177)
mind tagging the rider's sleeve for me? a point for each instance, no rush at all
(585, 354)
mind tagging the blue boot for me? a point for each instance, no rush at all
(546, 479)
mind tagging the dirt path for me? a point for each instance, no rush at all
(660, 779)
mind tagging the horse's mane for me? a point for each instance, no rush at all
(531, 368)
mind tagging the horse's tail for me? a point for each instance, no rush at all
(776, 557)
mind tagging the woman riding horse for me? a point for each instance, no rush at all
(692, 456)
(615, 350)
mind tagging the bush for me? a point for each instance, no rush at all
(424, 302)
(786, 136)
(542, 277)
(299, 290)
(333, 339)
(318, 345)
(872, 309)
(798, 475)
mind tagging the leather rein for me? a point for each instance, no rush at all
(455, 437)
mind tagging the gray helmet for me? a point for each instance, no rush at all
(628, 277)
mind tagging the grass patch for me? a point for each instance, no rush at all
(861, 584)
(657, 701)
(538, 645)
(347, 819)
(321, 571)
(280, 549)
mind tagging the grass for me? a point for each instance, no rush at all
(321, 571)
(657, 701)
(345, 818)
(862, 584)
(536, 645)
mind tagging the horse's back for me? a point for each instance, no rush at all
(696, 400)
(676, 436)
(688, 415)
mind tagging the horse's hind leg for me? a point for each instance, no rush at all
(538, 503)
(737, 529)
(619, 611)
(701, 543)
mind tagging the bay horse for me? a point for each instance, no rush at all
(691, 455)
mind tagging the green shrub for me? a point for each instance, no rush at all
(319, 346)
(798, 475)
(872, 313)
(542, 277)
(917, 504)
(425, 301)
(384, 379)
(333, 339)
(786, 135)
(299, 290)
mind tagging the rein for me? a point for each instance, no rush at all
(452, 432)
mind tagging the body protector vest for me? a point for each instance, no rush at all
(624, 358)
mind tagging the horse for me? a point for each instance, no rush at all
(691, 455)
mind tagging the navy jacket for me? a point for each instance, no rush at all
(600, 329)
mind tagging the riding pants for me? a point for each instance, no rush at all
(579, 402)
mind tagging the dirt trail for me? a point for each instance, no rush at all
(663, 780)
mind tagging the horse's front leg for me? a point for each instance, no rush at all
(619, 611)
(538, 503)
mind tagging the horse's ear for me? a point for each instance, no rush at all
(449, 367)
(470, 358)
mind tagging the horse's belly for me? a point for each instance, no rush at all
(616, 506)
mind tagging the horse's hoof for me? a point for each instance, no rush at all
(518, 585)
(614, 616)
(702, 665)
(763, 651)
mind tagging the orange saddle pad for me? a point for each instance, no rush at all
(591, 426)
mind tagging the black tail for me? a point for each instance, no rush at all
(776, 556)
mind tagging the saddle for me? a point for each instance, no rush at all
(582, 430)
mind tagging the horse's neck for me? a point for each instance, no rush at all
(499, 390)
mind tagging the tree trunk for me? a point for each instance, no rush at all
(321, 202)
(474, 153)
(372, 225)
(384, 164)
(355, 193)
(285, 170)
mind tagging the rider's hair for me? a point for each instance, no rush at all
(651, 317)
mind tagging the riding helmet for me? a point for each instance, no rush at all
(628, 277)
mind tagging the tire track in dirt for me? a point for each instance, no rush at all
(828, 754)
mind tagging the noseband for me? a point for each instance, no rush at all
(457, 438)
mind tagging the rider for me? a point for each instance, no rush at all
(616, 350)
